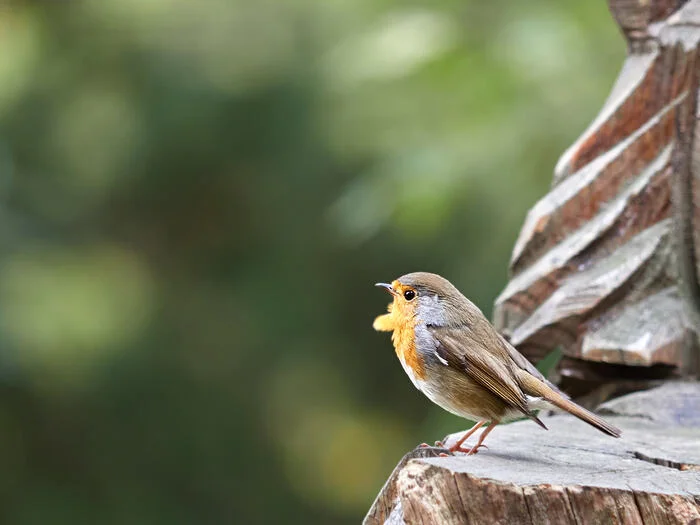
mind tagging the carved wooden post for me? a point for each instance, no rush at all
(606, 264)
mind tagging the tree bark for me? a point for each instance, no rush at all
(569, 475)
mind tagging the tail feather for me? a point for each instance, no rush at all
(537, 420)
(533, 386)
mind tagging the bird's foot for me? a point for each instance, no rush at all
(456, 448)
(438, 444)
(469, 451)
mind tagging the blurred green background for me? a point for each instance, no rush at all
(196, 198)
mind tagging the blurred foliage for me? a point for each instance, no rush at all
(548, 363)
(195, 200)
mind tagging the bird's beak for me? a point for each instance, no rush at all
(387, 287)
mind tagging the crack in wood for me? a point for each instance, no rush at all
(459, 495)
(665, 462)
(637, 506)
(527, 506)
(574, 514)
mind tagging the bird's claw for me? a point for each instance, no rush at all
(438, 444)
(468, 451)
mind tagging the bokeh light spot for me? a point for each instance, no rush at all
(95, 135)
(19, 53)
(65, 311)
(401, 43)
(340, 460)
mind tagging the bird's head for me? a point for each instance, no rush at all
(419, 294)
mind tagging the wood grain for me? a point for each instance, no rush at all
(617, 238)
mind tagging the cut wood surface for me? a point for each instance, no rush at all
(606, 263)
(571, 474)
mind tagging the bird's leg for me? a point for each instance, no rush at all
(457, 447)
(483, 435)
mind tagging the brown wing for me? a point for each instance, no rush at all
(521, 361)
(488, 365)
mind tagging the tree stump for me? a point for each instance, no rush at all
(571, 474)
(606, 264)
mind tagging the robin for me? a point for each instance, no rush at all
(455, 356)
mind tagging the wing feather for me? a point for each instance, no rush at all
(481, 364)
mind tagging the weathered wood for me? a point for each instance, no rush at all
(385, 503)
(606, 264)
(571, 474)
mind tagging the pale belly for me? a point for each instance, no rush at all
(458, 394)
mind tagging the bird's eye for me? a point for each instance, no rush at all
(409, 295)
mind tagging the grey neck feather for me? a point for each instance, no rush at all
(454, 310)
(430, 311)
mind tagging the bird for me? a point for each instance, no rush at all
(457, 358)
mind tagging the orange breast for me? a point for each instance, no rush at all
(401, 320)
(405, 345)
